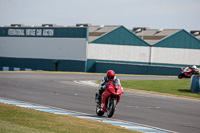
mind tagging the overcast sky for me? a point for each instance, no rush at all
(156, 14)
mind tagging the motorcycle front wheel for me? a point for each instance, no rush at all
(98, 111)
(180, 76)
(111, 107)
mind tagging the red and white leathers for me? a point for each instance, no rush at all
(104, 81)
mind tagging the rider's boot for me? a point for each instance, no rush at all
(99, 97)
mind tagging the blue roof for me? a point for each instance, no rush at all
(180, 39)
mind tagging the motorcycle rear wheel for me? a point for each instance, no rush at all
(98, 111)
(111, 107)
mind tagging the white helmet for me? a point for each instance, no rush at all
(194, 67)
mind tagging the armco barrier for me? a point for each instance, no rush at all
(195, 84)
(127, 68)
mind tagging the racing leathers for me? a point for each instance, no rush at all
(102, 85)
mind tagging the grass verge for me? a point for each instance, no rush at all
(15, 119)
(175, 87)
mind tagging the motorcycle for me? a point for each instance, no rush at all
(109, 99)
(187, 72)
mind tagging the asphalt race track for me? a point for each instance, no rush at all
(59, 90)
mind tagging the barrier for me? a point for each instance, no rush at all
(141, 69)
(195, 84)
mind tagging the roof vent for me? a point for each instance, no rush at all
(139, 29)
(17, 25)
(83, 25)
(100, 27)
(159, 30)
(48, 25)
(195, 32)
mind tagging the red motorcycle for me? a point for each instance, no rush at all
(110, 98)
(186, 73)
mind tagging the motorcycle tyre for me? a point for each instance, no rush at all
(98, 111)
(111, 108)
(180, 76)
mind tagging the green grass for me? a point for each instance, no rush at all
(175, 87)
(15, 119)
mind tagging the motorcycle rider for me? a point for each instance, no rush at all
(109, 77)
(195, 69)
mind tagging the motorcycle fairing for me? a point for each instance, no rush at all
(112, 91)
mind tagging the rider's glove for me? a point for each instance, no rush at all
(103, 87)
